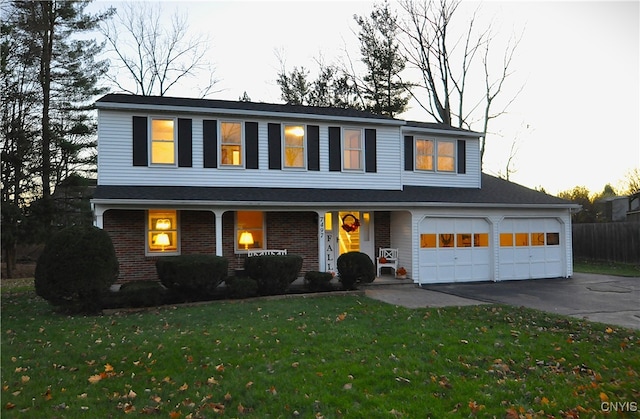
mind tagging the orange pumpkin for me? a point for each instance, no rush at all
(382, 260)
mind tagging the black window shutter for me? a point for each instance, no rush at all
(370, 151)
(140, 141)
(408, 152)
(462, 156)
(251, 144)
(184, 143)
(275, 146)
(210, 143)
(335, 149)
(313, 147)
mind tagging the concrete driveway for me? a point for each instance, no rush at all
(600, 298)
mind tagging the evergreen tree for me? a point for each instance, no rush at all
(383, 90)
(49, 80)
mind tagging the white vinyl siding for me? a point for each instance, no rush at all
(115, 160)
(470, 179)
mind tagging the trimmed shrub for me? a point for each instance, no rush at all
(241, 287)
(194, 276)
(274, 273)
(318, 281)
(137, 294)
(354, 268)
(76, 268)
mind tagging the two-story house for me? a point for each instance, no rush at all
(179, 176)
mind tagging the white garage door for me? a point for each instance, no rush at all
(454, 250)
(530, 248)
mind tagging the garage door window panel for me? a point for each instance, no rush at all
(553, 239)
(522, 239)
(464, 240)
(446, 240)
(537, 239)
(506, 239)
(428, 241)
(481, 240)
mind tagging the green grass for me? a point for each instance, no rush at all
(338, 356)
(606, 268)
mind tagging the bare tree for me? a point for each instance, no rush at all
(447, 64)
(156, 55)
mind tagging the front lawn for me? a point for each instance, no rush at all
(337, 356)
(606, 268)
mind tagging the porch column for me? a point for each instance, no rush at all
(98, 216)
(322, 240)
(218, 220)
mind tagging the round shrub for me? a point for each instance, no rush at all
(76, 267)
(241, 287)
(136, 294)
(318, 281)
(194, 275)
(354, 268)
(274, 273)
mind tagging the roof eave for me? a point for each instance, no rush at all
(342, 204)
(243, 112)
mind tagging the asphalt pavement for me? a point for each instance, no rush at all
(606, 299)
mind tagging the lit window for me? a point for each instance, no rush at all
(481, 240)
(352, 149)
(162, 231)
(506, 239)
(163, 141)
(231, 144)
(446, 156)
(250, 230)
(427, 241)
(435, 155)
(537, 239)
(447, 240)
(522, 239)
(463, 240)
(294, 146)
(424, 154)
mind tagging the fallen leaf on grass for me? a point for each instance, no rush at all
(184, 387)
(95, 378)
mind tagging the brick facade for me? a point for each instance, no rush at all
(295, 231)
(382, 222)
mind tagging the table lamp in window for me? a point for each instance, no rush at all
(162, 240)
(246, 238)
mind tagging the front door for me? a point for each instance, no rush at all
(348, 231)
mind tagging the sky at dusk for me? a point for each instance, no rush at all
(575, 122)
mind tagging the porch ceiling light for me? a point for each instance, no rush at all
(246, 238)
(163, 224)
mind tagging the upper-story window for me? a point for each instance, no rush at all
(438, 155)
(294, 146)
(231, 144)
(163, 141)
(352, 149)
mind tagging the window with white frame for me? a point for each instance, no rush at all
(250, 231)
(162, 232)
(163, 141)
(294, 146)
(352, 149)
(231, 144)
(435, 155)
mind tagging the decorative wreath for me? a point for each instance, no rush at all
(353, 226)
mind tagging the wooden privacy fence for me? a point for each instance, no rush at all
(612, 242)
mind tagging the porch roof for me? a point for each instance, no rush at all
(495, 192)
